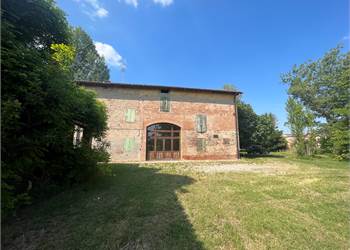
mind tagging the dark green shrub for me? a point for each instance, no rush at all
(40, 105)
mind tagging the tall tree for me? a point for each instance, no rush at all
(267, 135)
(36, 23)
(247, 123)
(40, 103)
(88, 64)
(300, 122)
(322, 87)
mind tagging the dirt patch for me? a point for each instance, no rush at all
(254, 168)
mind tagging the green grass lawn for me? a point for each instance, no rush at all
(305, 205)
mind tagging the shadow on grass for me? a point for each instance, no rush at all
(252, 156)
(128, 207)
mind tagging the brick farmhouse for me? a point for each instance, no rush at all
(147, 122)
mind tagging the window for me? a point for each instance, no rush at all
(78, 135)
(176, 144)
(130, 115)
(129, 144)
(164, 101)
(201, 123)
(167, 144)
(201, 145)
(216, 136)
(227, 141)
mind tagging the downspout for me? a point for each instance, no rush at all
(237, 128)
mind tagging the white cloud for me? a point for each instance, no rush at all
(135, 3)
(132, 2)
(101, 12)
(111, 56)
(93, 8)
(346, 37)
(163, 2)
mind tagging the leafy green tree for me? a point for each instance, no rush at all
(229, 86)
(88, 65)
(38, 24)
(322, 87)
(64, 55)
(40, 104)
(300, 122)
(257, 134)
(267, 134)
(247, 124)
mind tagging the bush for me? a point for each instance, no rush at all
(41, 105)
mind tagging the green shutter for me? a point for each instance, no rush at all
(201, 123)
(130, 115)
(204, 123)
(164, 102)
(201, 144)
(129, 144)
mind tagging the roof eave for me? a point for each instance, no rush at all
(149, 86)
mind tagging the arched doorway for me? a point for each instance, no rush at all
(163, 142)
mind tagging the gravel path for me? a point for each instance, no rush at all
(239, 167)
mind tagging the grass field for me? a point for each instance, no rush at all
(281, 203)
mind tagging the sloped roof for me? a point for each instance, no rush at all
(151, 86)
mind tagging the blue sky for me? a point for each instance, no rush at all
(207, 43)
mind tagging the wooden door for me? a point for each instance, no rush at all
(163, 142)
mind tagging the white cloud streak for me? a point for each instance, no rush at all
(93, 8)
(112, 57)
(135, 3)
(164, 3)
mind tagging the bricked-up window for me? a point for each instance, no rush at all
(201, 145)
(129, 144)
(201, 123)
(227, 141)
(164, 101)
(130, 115)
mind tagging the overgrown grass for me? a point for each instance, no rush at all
(171, 206)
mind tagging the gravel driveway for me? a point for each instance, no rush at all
(242, 167)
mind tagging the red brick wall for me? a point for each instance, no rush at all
(184, 106)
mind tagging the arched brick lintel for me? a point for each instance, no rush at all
(163, 121)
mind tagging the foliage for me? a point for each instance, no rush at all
(229, 86)
(88, 65)
(247, 122)
(258, 134)
(267, 134)
(64, 55)
(38, 24)
(301, 123)
(322, 87)
(40, 104)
